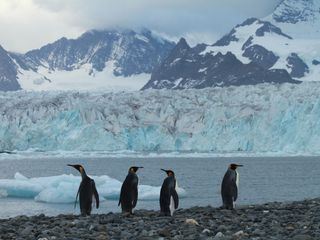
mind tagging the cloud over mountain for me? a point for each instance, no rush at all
(42, 21)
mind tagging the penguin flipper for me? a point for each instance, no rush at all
(234, 190)
(95, 193)
(121, 193)
(75, 202)
(134, 197)
(175, 196)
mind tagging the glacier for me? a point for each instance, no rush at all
(63, 188)
(281, 119)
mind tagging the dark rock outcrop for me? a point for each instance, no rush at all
(297, 65)
(261, 56)
(8, 72)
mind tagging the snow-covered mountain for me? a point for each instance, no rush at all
(282, 47)
(282, 119)
(96, 60)
(287, 39)
(267, 45)
(298, 18)
(131, 52)
(261, 51)
(203, 66)
(8, 72)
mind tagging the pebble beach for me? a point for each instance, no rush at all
(293, 220)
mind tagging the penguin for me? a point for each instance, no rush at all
(169, 199)
(87, 190)
(129, 191)
(229, 186)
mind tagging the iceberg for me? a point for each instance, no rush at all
(63, 188)
(259, 119)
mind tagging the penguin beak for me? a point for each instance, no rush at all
(239, 165)
(75, 166)
(168, 172)
(134, 169)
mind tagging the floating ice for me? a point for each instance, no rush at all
(63, 188)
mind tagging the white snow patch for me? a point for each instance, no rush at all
(242, 33)
(203, 69)
(142, 38)
(177, 82)
(84, 78)
(175, 61)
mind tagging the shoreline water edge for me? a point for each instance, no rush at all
(297, 220)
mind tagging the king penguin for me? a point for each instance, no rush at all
(129, 191)
(169, 199)
(87, 190)
(229, 186)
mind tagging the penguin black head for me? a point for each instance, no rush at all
(234, 166)
(134, 169)
(169, 172)
(78, 167)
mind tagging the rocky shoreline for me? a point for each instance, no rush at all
(295, 220)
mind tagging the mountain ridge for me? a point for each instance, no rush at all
(187, 67)
(119, 55)
(257, 50)
(261, 45)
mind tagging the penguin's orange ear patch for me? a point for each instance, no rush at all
(80, 169)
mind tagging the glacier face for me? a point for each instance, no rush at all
(248, 119)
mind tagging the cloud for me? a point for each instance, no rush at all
(47, 20)
(25, 26)
(163, 15)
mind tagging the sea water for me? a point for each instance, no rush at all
(262, 179)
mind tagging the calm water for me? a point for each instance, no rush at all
(261, 180)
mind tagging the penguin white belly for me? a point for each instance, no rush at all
(237, 179)
(237, 183)
(171, 206)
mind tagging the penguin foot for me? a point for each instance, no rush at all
(126, 214)
(84, 214)
(165, 214)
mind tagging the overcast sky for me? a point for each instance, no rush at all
(29, 24)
